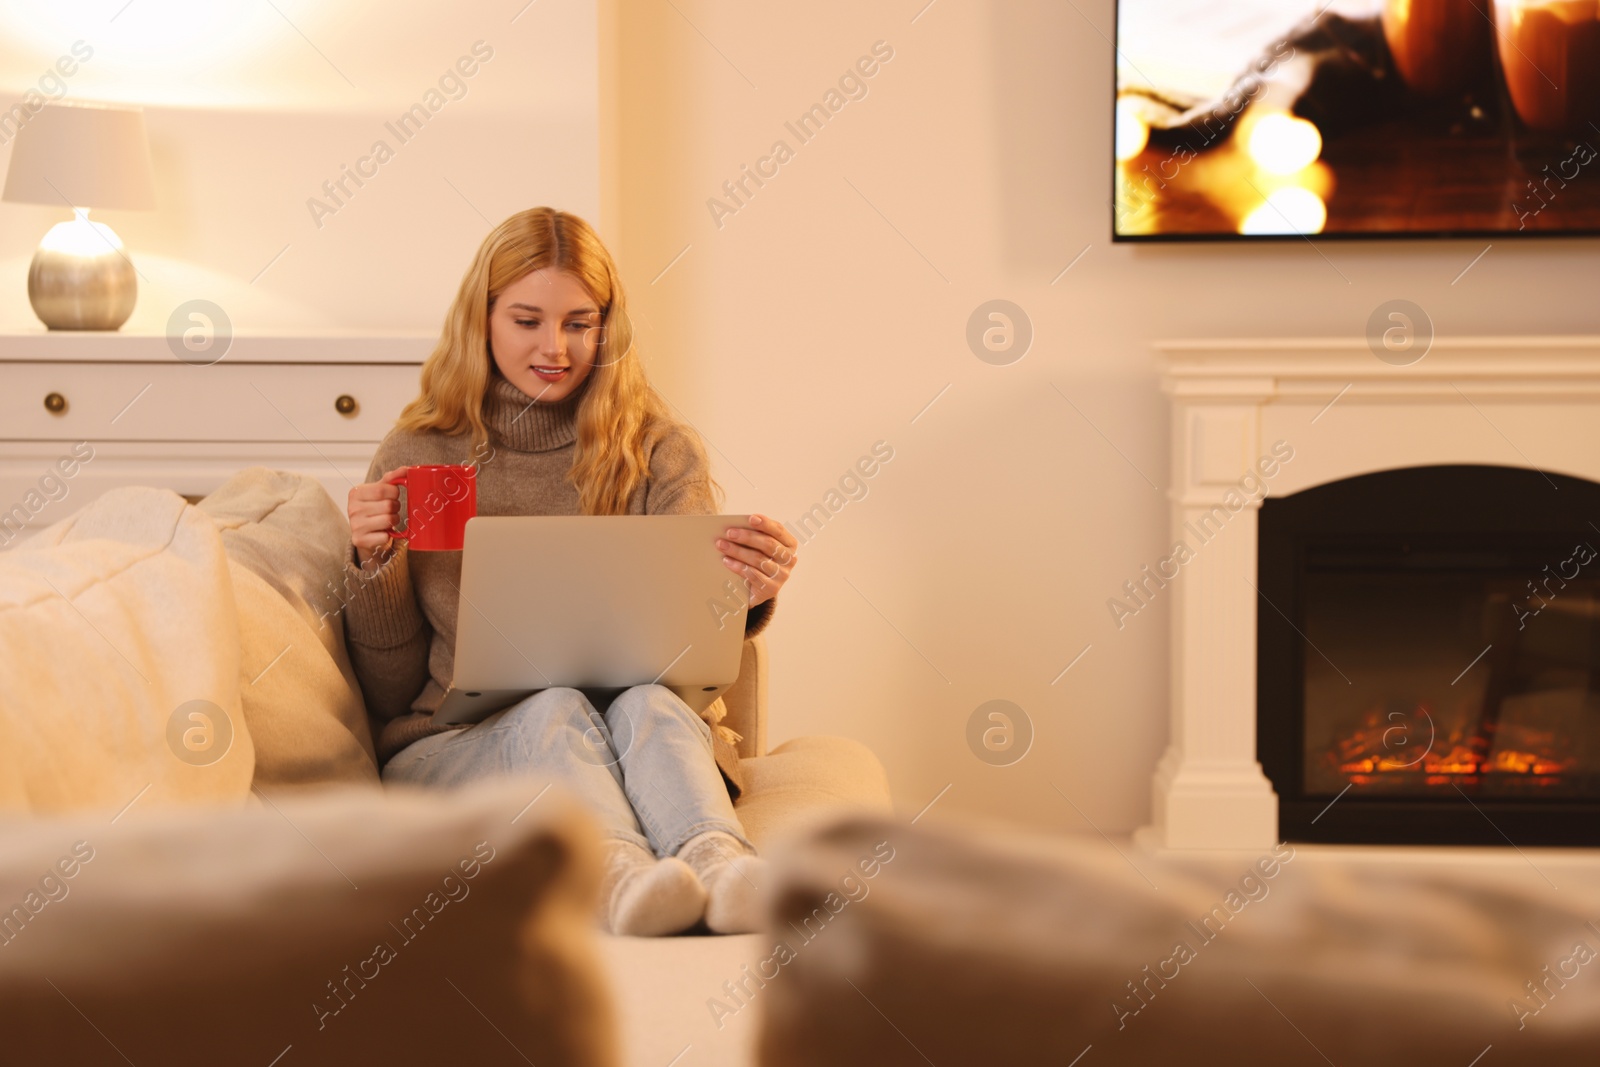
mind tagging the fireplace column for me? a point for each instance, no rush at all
(1209, 790)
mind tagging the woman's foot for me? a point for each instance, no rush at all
(641, 896)
(733, 876)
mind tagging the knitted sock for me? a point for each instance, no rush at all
(642, 896)
(734, 877)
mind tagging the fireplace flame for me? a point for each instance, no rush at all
(1379, 750)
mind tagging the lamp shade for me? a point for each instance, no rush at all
(82, 155)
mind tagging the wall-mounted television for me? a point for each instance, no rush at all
(1356, 118)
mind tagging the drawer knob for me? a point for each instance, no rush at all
(345, 405)
(55, 403)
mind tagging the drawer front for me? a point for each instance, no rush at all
(224, 402)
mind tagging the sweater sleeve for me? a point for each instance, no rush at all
(680, 484)
(757, 618)
(386, 634)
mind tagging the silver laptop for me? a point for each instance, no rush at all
(595, 603)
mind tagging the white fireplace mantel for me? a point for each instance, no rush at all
(1531, 402)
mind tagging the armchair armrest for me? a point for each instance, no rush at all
(746, 700)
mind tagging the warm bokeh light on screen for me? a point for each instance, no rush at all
(1436, 118)
(1291, 209)
(1283, 144)
(1131, 133)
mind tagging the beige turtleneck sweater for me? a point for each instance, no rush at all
(400, 621)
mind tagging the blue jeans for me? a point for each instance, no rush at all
(644, 766)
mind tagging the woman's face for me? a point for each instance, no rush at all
(543, 331)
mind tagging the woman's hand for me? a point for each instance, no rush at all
(374, 509)
(763, 552)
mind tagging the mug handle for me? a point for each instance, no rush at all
(401, 535)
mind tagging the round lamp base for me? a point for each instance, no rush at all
(80, 279)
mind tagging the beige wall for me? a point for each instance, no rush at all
(249, 112)
(806, 328)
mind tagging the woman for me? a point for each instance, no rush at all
(535, 379)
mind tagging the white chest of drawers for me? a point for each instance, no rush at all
(312, 403)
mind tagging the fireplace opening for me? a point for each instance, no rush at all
(1428, 658)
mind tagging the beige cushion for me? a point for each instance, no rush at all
(808, 779)
(982, 945)
(110, 622)
(286, 542)
(205, 937)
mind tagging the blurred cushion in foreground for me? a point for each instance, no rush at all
(347, 927)
(897, 944)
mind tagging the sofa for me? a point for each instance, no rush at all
(199, 864)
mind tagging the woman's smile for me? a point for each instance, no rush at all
(544, 331)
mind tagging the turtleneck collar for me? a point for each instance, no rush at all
(518, 423)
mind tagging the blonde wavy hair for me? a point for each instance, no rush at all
(618, 410)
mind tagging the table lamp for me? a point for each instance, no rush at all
(82, 156)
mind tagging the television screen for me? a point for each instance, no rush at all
(1356, 118)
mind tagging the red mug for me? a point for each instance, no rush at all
(439, 501)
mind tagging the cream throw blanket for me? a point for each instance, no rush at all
(111, 621)
(115, 621)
